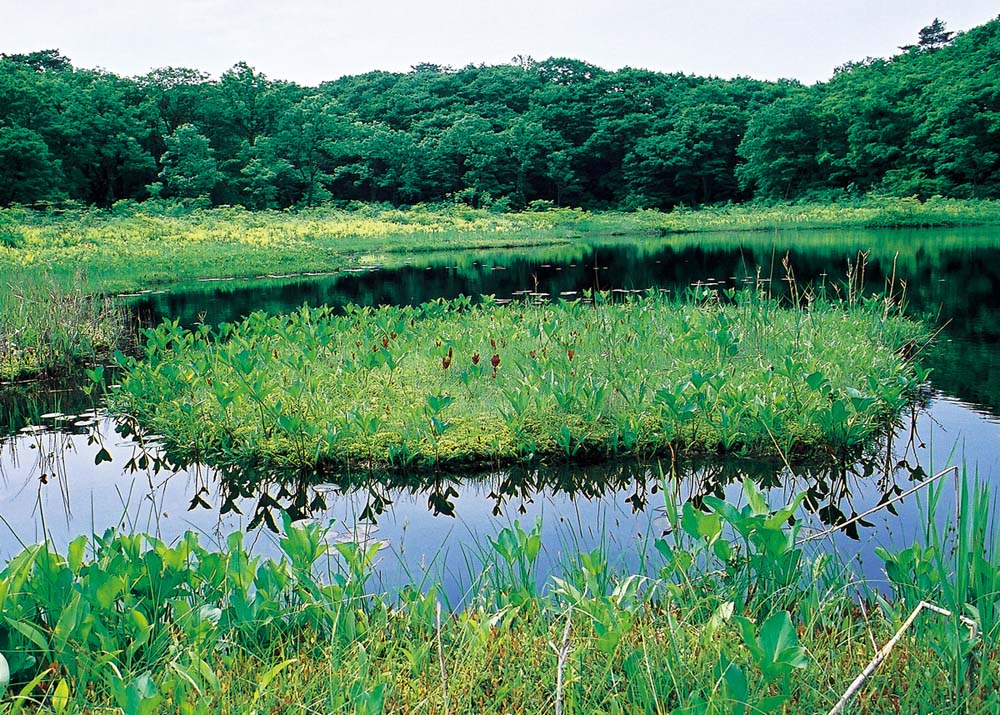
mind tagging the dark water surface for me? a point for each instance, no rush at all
(49, 482)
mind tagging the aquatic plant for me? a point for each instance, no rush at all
(47, 327)
(408, 387)
(128, 622)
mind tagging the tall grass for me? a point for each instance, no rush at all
(48, 327)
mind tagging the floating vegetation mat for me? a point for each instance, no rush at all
(454, 384)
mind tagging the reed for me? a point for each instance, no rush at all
(47, 328)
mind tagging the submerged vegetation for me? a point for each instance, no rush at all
(451, 384)
(47, 327)
(733, 612)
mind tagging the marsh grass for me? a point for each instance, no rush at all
(47, 328)
(732, 615)
(136, 247)
(451, 385)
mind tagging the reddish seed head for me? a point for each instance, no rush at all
(446, 360)
(495, 361)
(570, 354)
(475, 358)
(493, 343)
(533, 354)
(385, 342)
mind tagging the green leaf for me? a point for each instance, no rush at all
(33, 634)
(75, 553)
(271, 674)
(67, 623)
(815, 380)
(60, 698)
(771, 704)
(755, 498)
(779, 646)
(734, 684)
(142, 696)
(777, 634)
(722, 550)
(725, 510)
(436, 403)
(699, 524)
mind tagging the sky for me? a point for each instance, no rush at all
(309, 41)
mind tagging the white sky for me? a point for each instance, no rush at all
(309, 41)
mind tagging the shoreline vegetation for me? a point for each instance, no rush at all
(49, 328)
(140, 246)
(730, 612)
(453, 385)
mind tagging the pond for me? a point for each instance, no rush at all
(52, 483)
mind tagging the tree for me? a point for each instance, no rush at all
(41, 61)
(28, 172)
(780, 149)
(189, 166)
(99, 134)
(302, 148)
(932, 37)
(250, 103)
(693, 162)
(177, 94)
(477, 157)
(529, 144)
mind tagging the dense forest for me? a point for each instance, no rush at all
(525, 134)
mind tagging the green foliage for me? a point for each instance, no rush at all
(450, 383)
(189, 167)
(47, 327)
(135, 247)
(561, 130)
(28, 172)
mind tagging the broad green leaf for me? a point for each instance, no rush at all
(699, 524)
(755, 498)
